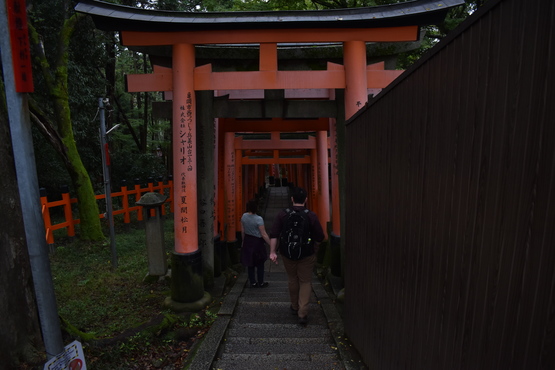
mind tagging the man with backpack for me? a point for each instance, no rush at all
(299, 232)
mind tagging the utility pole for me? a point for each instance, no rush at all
(18, 81)
(107, 184)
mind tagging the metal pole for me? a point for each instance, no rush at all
(27, 180)
(107, 186)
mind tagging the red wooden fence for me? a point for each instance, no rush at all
(127, 206)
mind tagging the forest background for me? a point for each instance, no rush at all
(74, 65)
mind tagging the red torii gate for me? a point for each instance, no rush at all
(181, 32)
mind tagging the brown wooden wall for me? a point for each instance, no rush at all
(450, 214)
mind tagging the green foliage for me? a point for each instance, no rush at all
(119, 318)
(434, 33)
(130, 166)
(51, 172)
(262, 5)
(406, 59)
(96, 300)
(177, 5)
(84, 83)
(201, 320)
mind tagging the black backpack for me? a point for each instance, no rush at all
(295, 242)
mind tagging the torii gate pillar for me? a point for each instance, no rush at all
(356, 96)
(187, 287)
(323, 186)
(229, 197)
(356, 89)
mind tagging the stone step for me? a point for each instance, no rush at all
(268, 294)
(243, 317)
(265, 312)
(252, 330)
(276, 276)
(273, 308)
(273, 286)
(265, 349)
(277, 345)
(275, 279)
(271, 298)
(278, 361)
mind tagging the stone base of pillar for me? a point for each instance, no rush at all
(195, 306)
(187, 282)
(335, 249)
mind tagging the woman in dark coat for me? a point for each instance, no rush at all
(253, 251)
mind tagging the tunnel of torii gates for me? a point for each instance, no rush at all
(216, 169)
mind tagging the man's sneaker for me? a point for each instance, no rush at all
(293, 311)
(303, 321)
(254, 285)
(263, 285)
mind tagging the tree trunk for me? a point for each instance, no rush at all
(56, 79)
(90, 227)
(21, 337)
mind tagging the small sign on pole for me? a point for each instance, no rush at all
(72, 358)
(21, 53)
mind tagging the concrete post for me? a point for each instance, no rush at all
(206, 192)
(154, 227)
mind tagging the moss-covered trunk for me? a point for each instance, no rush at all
(90, 227)
(56, 78)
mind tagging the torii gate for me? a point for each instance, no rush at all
(176, 35)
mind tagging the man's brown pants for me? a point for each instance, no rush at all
(299, 274)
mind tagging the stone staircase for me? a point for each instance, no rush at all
(264, 334)
(256, 329)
